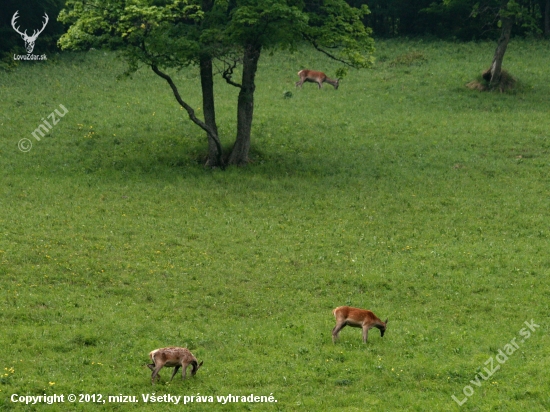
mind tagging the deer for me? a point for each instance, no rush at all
(315, 77)
(29, 40)
(359, 318)
(172, 357)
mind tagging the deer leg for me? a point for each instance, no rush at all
(336, 331)
(152, 367)
(175, 371)
(299, 83)
(184, 371)
(320, 84)
(365, 333)
(155, 373)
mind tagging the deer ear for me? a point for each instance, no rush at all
(200, 364)
(386, 321)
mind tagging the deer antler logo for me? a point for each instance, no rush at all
(29, 40)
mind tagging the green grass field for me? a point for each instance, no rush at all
(402, 192)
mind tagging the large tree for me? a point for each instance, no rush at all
(494, 74)
(158, 34)
(164, 34)
(331, 26)
(507, 13)
(500, 16)
(255, 25)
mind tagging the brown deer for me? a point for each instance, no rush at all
(173, 358)
(315, 77)
(359, 318)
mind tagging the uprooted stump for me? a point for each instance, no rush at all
(506, 83)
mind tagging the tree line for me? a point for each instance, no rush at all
(463, 20)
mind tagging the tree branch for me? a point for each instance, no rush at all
(330, 55)
(228, 73)
(191, 114)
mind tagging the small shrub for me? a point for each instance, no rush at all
(409, 59)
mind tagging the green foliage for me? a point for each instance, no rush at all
(342, 72)
(402, 192)
(526, 15)
(267, 23)
(174, 34)
(167, 35)
(336, 26)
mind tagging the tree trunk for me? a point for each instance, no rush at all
(208, 107)
(507, 24)
(207, 85)
(547, 19)
(245, 106)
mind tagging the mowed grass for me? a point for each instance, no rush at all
(402, 192)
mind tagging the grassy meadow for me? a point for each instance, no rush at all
(402, 192)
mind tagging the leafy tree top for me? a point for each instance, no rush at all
(174, 33)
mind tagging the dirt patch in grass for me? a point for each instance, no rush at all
(507, 83)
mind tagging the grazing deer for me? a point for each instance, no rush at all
(315, 77)
(359, 318)
(29, 40)
(172, 358)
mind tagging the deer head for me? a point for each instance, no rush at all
(383, 329)
(29, 40)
